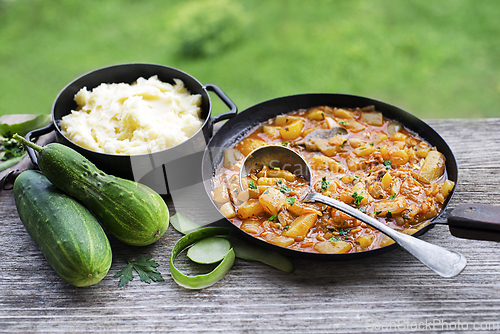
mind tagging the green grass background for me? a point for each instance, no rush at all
(436, 59)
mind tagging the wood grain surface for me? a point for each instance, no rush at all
(391, 292)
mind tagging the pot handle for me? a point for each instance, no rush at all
(35, 134)
(227, 101)
(475, 221)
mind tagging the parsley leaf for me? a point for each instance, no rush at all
(291, 200)
(11, 149)
(273, 218)
(387, 164)
(144, 266)
(252, 185)
(11, 152)
(393, 196)
(285, 188)
(357, 198)
(324, 184)
(388, 214)
(126, 275)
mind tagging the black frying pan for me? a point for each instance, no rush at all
(471, 221)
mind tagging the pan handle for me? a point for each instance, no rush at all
(475, 221)
(227, 101)
(35, 134)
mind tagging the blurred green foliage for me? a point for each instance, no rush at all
(207, 28)
(435, 59)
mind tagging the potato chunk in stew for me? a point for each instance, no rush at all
(250, 209)
(301, 226)
(333, 247)
(272, 200)
(433, 167)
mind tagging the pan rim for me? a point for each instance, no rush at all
(406, 117)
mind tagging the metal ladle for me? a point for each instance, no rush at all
(444, 262)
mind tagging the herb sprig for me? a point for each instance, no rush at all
(324, 184)
(10, 153)
(357, 198)
(144, 266)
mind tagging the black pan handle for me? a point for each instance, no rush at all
(35, 134)
(475, 221)
(227, 101)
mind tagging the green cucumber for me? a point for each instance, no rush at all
(131, 211)
(65, 231)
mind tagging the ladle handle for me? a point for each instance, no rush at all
(444, 262)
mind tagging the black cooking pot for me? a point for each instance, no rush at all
(470, 221)
(145, 168)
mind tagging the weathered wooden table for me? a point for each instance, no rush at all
(392, 292)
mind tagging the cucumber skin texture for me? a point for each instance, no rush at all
(68, 235)
(134, 213)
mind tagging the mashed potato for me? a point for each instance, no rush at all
(144, 117)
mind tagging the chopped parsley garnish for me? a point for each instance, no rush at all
(362, 210)
(388, 214)
(252, 185)
(291, 200)
(276, 168)
(273, 218)
(335, 239)
(357, 198)
(343, 123)
(280, 181)
(393, 196)
(378, 212)
(285, 189)
(372, 143)
(324, 184)
(285, 143)
(342, 232)
(387, 164)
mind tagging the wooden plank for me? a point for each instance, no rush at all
(392, 290)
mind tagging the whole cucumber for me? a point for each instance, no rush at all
(65, 231)
(131, 211)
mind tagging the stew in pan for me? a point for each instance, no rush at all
(356, 156)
